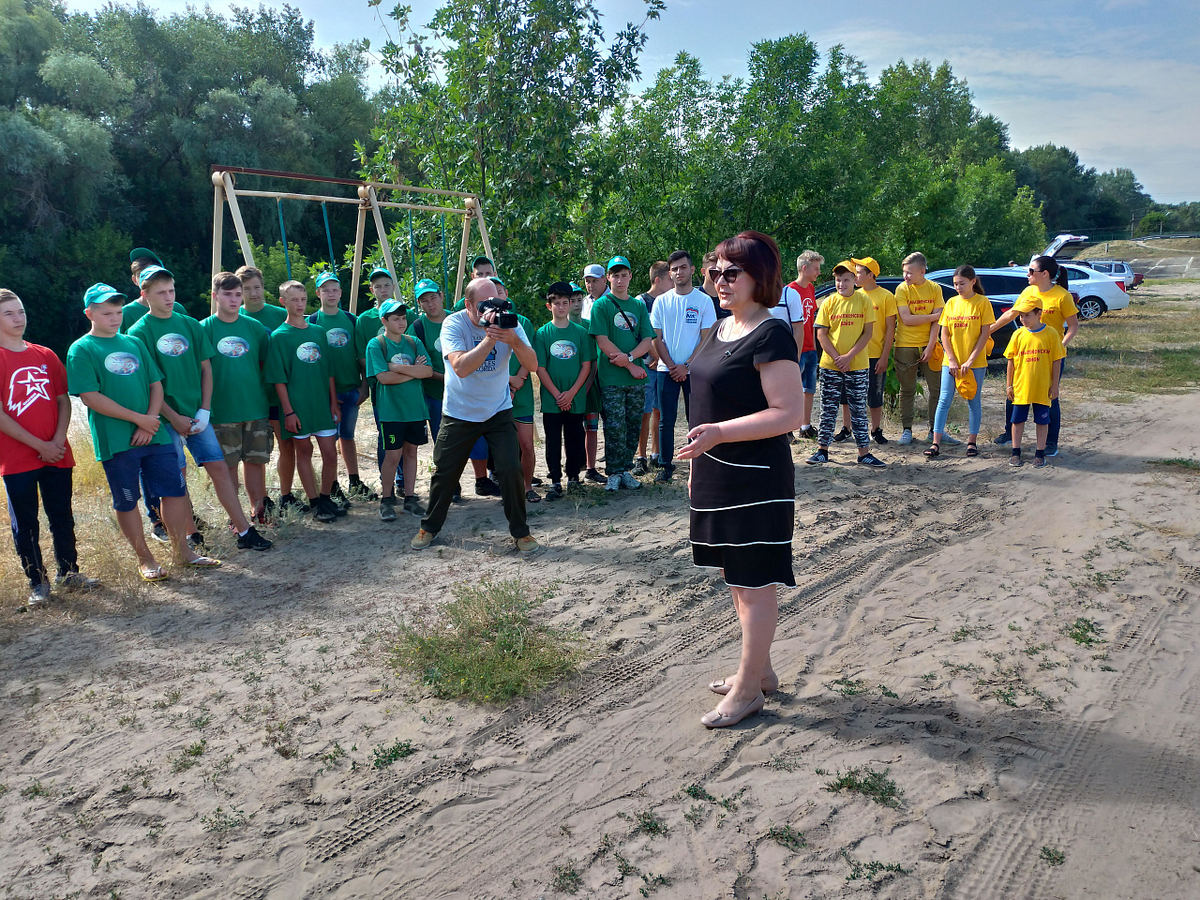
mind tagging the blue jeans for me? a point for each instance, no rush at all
(949, 392)
(668, 390)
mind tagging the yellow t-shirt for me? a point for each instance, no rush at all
(966, 319)
(921, 300)
(884, 302)
(1057, 306)
(845, 318)
(1034, 354)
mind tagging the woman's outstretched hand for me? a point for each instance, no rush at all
(701, 439)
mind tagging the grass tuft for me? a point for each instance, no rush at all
(485, 646)
(870, 783)
(1052, 856)
(1085, 632)
(567, 879)
(787, 836)
(383, 756)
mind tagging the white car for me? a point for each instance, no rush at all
(1116, 268)
(1094, 293)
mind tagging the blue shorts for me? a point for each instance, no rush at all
(651, 391)
(1020, 413)
(524, 420)
(204, 447)
(273, 413)
(808, 370)
(158, 467)
(348, 407)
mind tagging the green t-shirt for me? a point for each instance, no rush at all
(178, 345)
(366, 326)
(625, 331)
(562, 352)
(523, 398)
(270, 316)
(343, 362)
(121, 369)
(239, 392)
(130, 313)
(299, 358)
(403, 402)
(430, 334)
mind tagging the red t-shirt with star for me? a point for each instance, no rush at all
(30, 384)
(808, 298)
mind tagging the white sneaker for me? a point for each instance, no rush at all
(905, 436)
(39, 596)
(949, 440)
(629, 482)
(613, 483)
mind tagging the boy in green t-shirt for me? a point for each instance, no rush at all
(239, 398)
(339, 327)
(397, 364)
(182, 351)
(367, 326)
(521, 389)
(566, 355)
(591, 390)
(621, 327)
(298, 366)
(139, 258)
(121, 385)
(270, 317)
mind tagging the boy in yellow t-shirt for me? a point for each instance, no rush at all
(879, 351)
(845, 323)
(918, 307)
(1033, 355)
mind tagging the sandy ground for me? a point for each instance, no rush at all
(928, 638)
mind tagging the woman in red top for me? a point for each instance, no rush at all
(34, 454)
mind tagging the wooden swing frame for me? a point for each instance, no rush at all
(225, 191)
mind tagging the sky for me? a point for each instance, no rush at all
(1117, 81)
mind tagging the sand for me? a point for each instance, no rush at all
(928, 638)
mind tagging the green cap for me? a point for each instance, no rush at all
(495, 279)
(477, 260)
(377, 271)
(149, 272)
(618, 262)
(576, 289)
(101, 293)
(327, 276)
(426, 286)
(144, 253)
(391, 307)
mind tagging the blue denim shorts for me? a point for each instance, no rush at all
(808, 370)
(348, 407)
(651, 391)
(157, 465)
(204, 447)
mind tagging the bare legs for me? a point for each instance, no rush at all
(525, 440)
(758, 613)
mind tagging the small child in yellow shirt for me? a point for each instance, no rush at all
(1033, 354)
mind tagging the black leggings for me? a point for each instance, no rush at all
(22, 490)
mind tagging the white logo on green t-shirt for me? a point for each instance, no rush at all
(233, 347)
(122, 363)
(623, 321)
(172, 345)
(337, 337)
(308, 352)
(563, 350)
(402, 359)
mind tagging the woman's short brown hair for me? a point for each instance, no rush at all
(758, 256)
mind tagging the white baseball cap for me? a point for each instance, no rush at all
(595, 270)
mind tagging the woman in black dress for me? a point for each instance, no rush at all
(742, 482)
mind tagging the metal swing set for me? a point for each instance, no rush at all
(367, 199)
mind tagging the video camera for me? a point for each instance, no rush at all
(500, 313)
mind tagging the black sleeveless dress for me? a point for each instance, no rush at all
(743, 502)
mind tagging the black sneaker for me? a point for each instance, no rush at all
(456, 497)
(360, 491)
(339, 498)
(555, 492)
(413, 506)
(201, 526)
(387, 509)
(808, 433)
(252, 540)
(485, 487)
(291, 501)
(640, 467)
(877, 436)
(195, 540)
(266, 515)
(872, 461)
(159, 533)
(656, 461)
(323, 510)
(573, 486)
(536, 482)
(844, 435)
(594, 477)
(1002, 439)
(664, 476)
(821, 456)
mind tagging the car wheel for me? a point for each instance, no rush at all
(1091, 308)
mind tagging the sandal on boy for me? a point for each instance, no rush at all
(153, 573)
(203, 562)
(972, 449)
(934, 450)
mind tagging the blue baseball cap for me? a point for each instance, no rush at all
(377, 271)
(101, 293)
(618, 262)
(392, 307)
(149, 272)
(327, 276)
(426, 286)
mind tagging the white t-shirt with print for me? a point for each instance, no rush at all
(682, 318)
(484, 392)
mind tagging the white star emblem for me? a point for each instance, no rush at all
(35, 384)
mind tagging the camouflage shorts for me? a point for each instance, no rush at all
(246, 442)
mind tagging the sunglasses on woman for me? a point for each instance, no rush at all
(730, 274)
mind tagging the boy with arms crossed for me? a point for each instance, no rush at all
(844, 326)
(366, 327)
(918, 307)
(121, 385)
(1033, 372)
(182, 352)
(298, 366)
(396, 363)
(621, 327)
(34, 454)
(239, 394)
(339, 326)
(565, 357)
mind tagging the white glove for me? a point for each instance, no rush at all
(201, 421)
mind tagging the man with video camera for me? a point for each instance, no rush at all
(477, 343)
